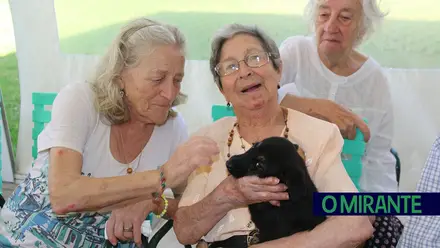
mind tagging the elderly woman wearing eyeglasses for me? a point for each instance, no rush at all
(327, 65)
(247, 69)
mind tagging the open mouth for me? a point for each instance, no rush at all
(332, 40)
(251, 88)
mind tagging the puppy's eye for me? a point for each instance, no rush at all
(259, 166)
(261, 158)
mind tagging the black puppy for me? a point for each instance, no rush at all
(278, 157)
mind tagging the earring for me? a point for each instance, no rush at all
(228, 104)
(122, 92)
(278, 86)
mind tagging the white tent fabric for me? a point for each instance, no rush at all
(42, 67)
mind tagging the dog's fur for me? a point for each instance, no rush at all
(278, 157)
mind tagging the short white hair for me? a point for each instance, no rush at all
(372, 17)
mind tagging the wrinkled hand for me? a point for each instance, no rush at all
(252, 189)
(346, 120)
(198, 151)
(131, 216)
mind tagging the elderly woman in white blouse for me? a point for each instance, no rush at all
(327, 65)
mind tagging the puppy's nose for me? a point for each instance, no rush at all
(229, 164)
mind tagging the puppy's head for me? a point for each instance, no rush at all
(275, 156)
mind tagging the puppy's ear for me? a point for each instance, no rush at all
(297, 194)
(297, 189)
(297, 179)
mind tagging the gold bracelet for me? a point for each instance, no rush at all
(165, 208)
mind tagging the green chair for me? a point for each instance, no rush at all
(40, 116)
(352, 151)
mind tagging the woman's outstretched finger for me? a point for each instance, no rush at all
(254, 180)
(119, 230)
(363, 127)
(137, 234)
(269, 196)
(271, 188)
(111, 231)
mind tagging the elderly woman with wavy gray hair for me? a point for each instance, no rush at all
(111, 144)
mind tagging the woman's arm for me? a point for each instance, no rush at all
(329, 111)
(71, 192)
(335, 232)
(193, 222)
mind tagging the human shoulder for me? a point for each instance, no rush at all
(311, 132)
(73, 119)
(296, 41)
(79, 94)
(78, 87)
(377, 69)
(376, 78)
(436, 145)
(299, 119)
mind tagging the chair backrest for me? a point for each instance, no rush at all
(40, 116)
(352, 151)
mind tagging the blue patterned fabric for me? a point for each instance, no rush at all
(27, 219)
(424, 231)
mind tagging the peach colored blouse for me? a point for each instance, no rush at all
(321, 142)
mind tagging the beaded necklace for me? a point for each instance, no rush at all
(231, 133)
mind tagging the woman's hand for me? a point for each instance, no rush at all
(198, 151)
(329, 111)
(130, 218)
(252, 189)
(346, 120)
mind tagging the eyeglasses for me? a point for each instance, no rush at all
(253, 60)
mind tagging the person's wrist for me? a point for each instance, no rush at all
(227, 195)
(161, 207)
(314, 106)
(162, 183)
(158, 206)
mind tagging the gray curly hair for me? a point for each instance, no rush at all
(229, 31)
(124, 53)
(372, 17)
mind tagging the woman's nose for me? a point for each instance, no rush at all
(169, 91)
(331, 26)
(244, 70)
